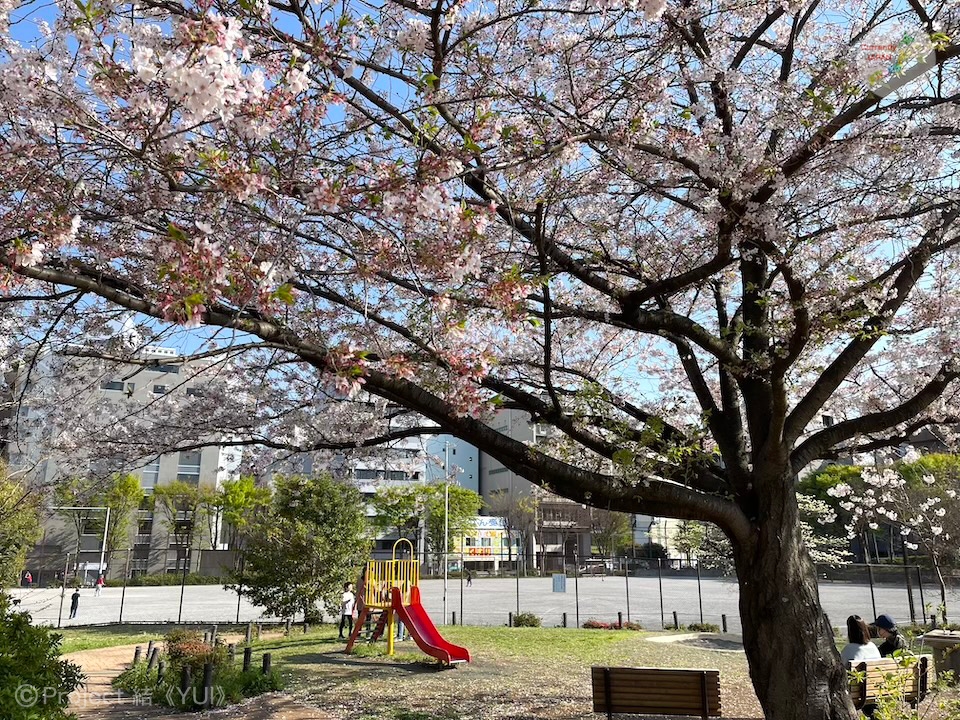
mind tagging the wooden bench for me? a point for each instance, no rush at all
(653, 691)
(889, 674)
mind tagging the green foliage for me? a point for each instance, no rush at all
(611, 531)
(464, 504)
(689, 537)
(398, 509)
(598, 625)
(184, 507)
(243, 502)
(19, 527)
(184, 648)
(122, 495)
(649, 551)
(526, 619)
(162, 579)
(312, 540)
(703, 627)
(30, 656)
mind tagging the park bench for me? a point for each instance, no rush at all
(874, 677)
(654, 691)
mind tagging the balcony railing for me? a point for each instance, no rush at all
(142, 540)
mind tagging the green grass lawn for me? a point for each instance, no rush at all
(95, 638)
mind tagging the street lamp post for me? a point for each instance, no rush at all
(446, 521)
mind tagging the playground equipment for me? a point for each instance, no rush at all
(391, 588)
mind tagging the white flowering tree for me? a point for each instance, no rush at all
(677, 233)
(919, 498)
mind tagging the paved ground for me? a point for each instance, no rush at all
(489, 601)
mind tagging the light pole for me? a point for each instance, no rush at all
(106, 529)
(446, 521)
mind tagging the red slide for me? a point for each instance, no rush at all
(423, 631)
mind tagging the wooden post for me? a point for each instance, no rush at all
(620, 620)
(207, 685)
(723, 621)
(213, 636)
(306, 627)
(161, 671)
(249, 633)
(564, 620)
(259, 630)
(185, 680)
(149, 648)
(206, 638)
(509, 619)
(676, 621)
(287, 629)
(136, 654)
(152, 658)
(267, 661)
(247, 657)
(232, 653)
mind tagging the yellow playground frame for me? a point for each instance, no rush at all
(379, 578)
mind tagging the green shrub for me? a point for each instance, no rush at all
(230, 684)
(167, 579)
(34, 682)
(703, 627)
(597, 625)
(526, 619)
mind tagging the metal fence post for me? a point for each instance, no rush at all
(663, 622)
(699, 591)
(626, 582)
(123, 593)
(873, 599)
(63, 590)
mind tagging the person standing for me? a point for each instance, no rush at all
(98, 586)
(347, 603)
(74, 603)
(469, 578)
(28, 579)
(892, 639)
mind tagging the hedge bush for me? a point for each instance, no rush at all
(35, 683)
(526, 619)
(597, 625)
(185, 648)
(167, 579)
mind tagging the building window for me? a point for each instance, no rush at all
(486, 542)
(111, 385)
(396, 475)
(159, 389)
(172, 369)
(194, 392)
(188, 466)
(130, 388)
(469, 541)
(151, 474)
(364, 474)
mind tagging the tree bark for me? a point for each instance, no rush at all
(789, 643)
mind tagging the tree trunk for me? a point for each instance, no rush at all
(789, 643)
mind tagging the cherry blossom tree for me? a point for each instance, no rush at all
(677, 231)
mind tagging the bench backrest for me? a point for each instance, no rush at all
(889, 675)
(656, 691)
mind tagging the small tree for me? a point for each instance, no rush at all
(184, 507)
(460, 508)
(313, 539)
(122, 495)
(689, 538)
(917, 497)
(518, 514)
(611, 531)
(19, 526)
(399, 509)
(243, 502)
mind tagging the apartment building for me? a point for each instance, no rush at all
(61, 391)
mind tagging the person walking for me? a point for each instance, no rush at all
(892, 639)
(347, 603)
(98, 586)
(74, 603)
(469, 578)
(28, 579)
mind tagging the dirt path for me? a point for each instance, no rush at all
(97, 699)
